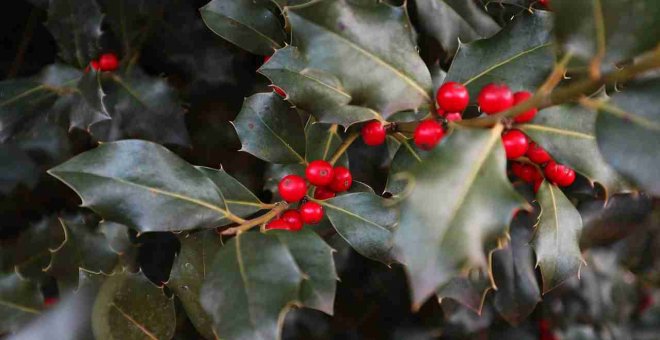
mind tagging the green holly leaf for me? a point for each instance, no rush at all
(556, 239)
(447, 21)
(189, 272)
(249, 24)
(602, 29)
(406, 157)
(469, 291)
(321, 141)
(118, 237)
(92, 93)
(238, 199)
(16, 167)
(142, 107)
(568, 133)
(158, 191)
(366, 221)
(129, 306)
(270, 129)
(520, 56)
(517, 291)
(131, 20)
(20, 301)
(367, 36)
(628, 130)
(247, 292)
(456, 203)
(76, 27)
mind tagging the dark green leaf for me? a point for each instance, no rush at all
(456, 203)
(91, 91)
(520, 56)
(16, 167)
(406, 157)
(556, 240)
(189, 272)
(238, 199)
(628, 131)
(249, 24)
(369, 47)
(271, 130)
(469, 291)
(20, 301)
(76, 26)
(447, 21)
(568, 133)
(131, 20)
(144, 186)
(247, 292)
(365, 221)
(129, 306)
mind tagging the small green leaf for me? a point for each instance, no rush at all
(247, 292)
(271, 130)
(365, 221)
(457, 203)
(238, 199)
(248, 24)
(20, 301)
(406, 157)
(129, 306)
(557, 236)
(76, 27)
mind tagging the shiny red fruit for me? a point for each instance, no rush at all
(526, 172)
(537, 184)
(108, 62)
(495, 98)
(319, 173)
(341, 179)
(545, 3)
(311, 212)
(323, 193)
(95, 65)
(515, 143)
(454, 117)
(293, 218)
(278, 223)
(428, 134)
(528, 115)
(373, 133)
(49, 301)
(559, 174)
(452, 97)
(537, 154)
(292, 188)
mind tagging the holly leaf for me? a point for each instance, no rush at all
(92, 93)
(76, 27)
(189, 272)
(321, 141)
(517, 292)
(366, 221)
(602, 29)
(16, 167)
(406, 157)
(568, 133)
(457, 202)
(144, 186)
(628, 130)
(247, 292)
(271, 130)
(238, 199)
(129, 306)
(449, 21)
(556, 239)
(469, 291)
(118, 237)
(520, 55)
(20, 301)
(131, 20)
(142, 107)
(367, 36)
(248, 24)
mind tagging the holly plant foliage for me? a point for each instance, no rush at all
(259, 169)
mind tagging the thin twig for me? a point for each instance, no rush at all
(247, 225)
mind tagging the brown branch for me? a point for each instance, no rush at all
(343, 147)
(247, 225)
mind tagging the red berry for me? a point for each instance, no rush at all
(341, 179)
(373, 133)
(495, 98)
(528, 115)
(279, 91)
(559, 174)
(108, 62)
(292, 188)
(545, 3)
(293, 218)
(537, 154)
(454, 117)
(526, 172)
(323, 193)
(441, 112)
(319, 172)
(515, 143)
(452, 97)
(537, 184)
(311, 212)
(428, 134)
(95, 65)
(49, 301)
(278, 223)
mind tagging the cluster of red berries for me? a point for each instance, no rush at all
(106, 62)
(328, 181)
(428, 133)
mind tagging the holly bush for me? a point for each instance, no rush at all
(409, 169)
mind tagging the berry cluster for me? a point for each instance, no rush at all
(106, 62)
(328, 181)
